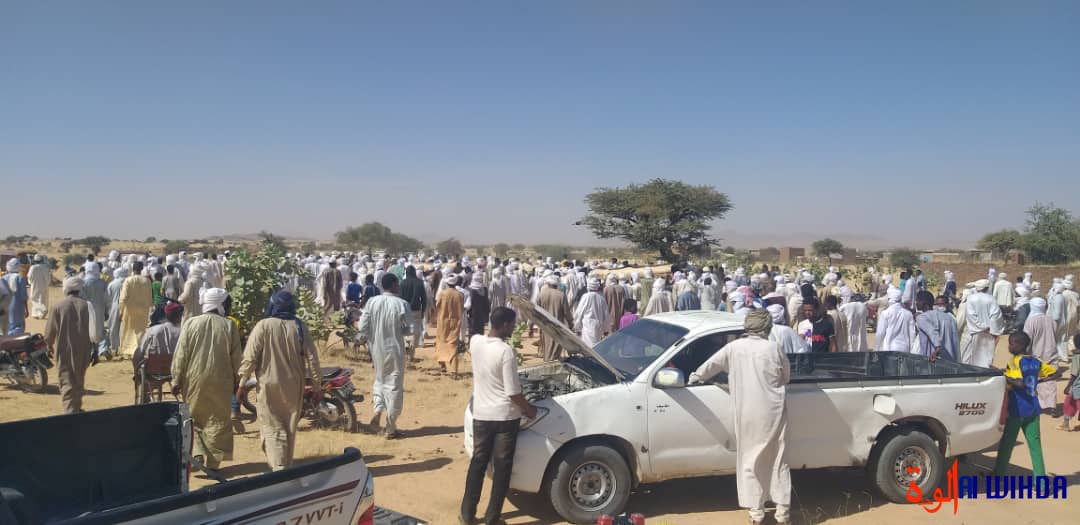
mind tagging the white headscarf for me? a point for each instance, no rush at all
(894, 295)
(1022, 295)
(214, 300)
(1038, 307)
(73, 284)
(594, 284)
(13, 265)
(777, 313)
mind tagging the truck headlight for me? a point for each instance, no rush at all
(540, 413)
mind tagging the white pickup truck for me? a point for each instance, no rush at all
(130, 465)
(621, 414)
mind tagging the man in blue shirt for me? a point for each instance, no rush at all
(1023, 373)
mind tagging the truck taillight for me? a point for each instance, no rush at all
(368, 517)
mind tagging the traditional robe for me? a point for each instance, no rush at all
(708, 297)
(983, 324)
(688, 301)
(478, 310)
(38, 278)
(449, 310)
(840, 330)
(1003, 293)
(937, 330)
(591, 318)
(96, 292)
(204, 368)
(615, 297)
(1042, 330)
(788, 340)
(855, 321)
(757, 374)
(331, 283)
(281, 359)
(498, 291)
(554, 301)
(190, 297)
(660, 302)
(114, 314)
(646, 291)
(136, 301)
(895, 329)
(68, 332)
(171, 287)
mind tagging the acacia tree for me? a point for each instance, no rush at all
(826, 247)
(661, 215)
(1000, 242)
(501, 249)
(903, 258)
(451, 247)
(1051, 235)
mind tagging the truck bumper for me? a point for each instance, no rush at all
(532, 455)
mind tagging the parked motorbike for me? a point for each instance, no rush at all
(334, 411)
(24, 360)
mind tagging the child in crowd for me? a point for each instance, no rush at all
(630, 315)
(1023, 373)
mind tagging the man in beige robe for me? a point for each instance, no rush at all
(192, 287)
(204, 368)
(554, 301)
(136, 302)
(758, 373)
(449, 310)
(840, 323)
(281, 354)
(615, 296)
(69, 332)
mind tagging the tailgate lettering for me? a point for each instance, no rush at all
(315, 516)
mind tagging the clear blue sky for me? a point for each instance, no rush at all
(939, 119)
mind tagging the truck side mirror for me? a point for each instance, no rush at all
(670, 378)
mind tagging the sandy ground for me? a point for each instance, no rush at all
(423, 474)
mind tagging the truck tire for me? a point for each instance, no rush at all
(589, 481)
(907, 455)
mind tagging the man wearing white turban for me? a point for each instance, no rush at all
(895, 326)
(115, 287)
(204, 371)
(1003, 292)
(785, 336)
(591, 315)
(983, 324)
(615, 298)
(554, 301)
(1022, 307)
(136, 301)
(855, 314)
(1059, 311)
(659, 300)
(449, 312)
(1043, 332)
(39, 277)
(1072, 303)
(72, 332)
(96, 292)
(16, 307)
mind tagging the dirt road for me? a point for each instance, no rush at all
(423, 473)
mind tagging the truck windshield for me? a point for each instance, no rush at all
(635, 347)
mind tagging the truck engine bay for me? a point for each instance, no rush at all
(553, 379)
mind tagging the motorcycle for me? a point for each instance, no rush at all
(334, 411)
(24, 360)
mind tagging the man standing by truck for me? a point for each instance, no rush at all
(757, 374)
(497, 405)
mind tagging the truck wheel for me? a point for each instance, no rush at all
(908, 456)
(590, 480)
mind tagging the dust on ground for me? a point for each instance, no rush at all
(423, 474)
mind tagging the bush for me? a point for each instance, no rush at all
(903, 258)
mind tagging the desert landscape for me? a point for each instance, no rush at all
(423, 474)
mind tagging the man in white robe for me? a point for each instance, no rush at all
(1059, 312)
(660, 301)
(757, 374)
(591, 315)
(785, 336)
(855, 313)
(895, 326)
(1072, 303)
(1003, 292)
(38, 278)
(983, 323)
(385, 322)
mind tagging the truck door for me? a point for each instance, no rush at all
(690, 427)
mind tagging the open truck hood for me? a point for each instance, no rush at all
(559, 332)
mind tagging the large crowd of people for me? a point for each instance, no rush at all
(133, 306)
